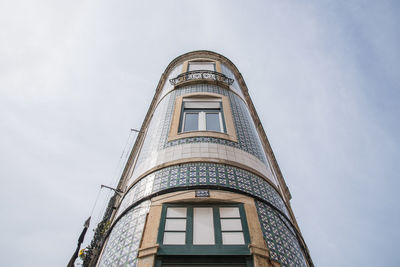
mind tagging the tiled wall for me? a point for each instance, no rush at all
(156, 143)
(208, 151)
(278, 232)
(248, 139)
(172, 74)
(178, 70)
(235, 86)
(210, 174)
(123, 243)
(280, 237)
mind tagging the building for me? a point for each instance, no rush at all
(202, 186)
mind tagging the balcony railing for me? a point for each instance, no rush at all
(201, 75)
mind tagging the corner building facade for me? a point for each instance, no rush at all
(201, 186)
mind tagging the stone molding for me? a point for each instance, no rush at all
(148, 251)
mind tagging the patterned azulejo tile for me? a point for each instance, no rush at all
(280, 237)
(123, 243)
(159, 127)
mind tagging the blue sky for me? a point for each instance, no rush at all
(75, 76)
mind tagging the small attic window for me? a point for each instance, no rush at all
(201, 65)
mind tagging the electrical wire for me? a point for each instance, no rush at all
(95, 202)
(120, 159)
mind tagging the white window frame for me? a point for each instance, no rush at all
(202, 117)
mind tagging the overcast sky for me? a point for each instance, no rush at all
(75, 76)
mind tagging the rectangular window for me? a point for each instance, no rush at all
(231, 226)
(198, 65)
(210, 228)
(202, 116)
(175, 226)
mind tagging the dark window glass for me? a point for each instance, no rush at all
(209, 261)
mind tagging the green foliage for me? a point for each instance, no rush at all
(91, 252)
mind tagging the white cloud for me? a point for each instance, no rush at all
(76, 76)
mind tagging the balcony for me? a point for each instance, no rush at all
(205, 75)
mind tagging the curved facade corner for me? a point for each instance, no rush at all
(201, 184)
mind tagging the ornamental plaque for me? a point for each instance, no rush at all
(202, 193)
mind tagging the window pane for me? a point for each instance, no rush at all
(212, 122)
(175, 224)
(201, 66)
(191, 122)
(176, 212)
(229, 212)
(173, 238)
(232, 238)
(203, 226)
(231, 225)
